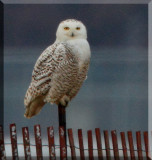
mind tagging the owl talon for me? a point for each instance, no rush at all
(64, 101)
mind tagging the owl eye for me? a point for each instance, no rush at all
(78, 28)
(66, 28)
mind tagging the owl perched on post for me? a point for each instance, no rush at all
(61, 68)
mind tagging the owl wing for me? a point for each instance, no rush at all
(47, 64)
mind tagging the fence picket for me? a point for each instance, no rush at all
(99, 143)
(63, 149)
(38, 142)
(131, 145)
(81, 146)
(124, 146)
(106, 138)
(2, 146)
(90, 145)
(146, 141)
(115, 145)
(13, 135)
(50, 132)
(71, 142)
(26, 142)
(139, 147)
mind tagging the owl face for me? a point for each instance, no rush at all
(71, 29)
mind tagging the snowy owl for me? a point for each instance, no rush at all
(60, 70)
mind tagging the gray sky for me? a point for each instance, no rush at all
(108, 25)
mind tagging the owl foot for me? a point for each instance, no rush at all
(64, 100)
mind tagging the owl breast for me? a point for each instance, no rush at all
(67, 84)
(81, 48)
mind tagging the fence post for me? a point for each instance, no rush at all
(2, 146)
(115, 144)
(62, 119)
(124, 147)
(38, 142)
(63, 149)
(99, 143)
(139, 147)
(26, 142)
(90, 145)
(106, 138)
(13, 135)
(131, 145)
(147, 149)
(50, 131)
(71, 142)
(81, 146)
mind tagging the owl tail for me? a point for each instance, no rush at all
(34, 107)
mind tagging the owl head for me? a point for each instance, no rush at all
(71, 29)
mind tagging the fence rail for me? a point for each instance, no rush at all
(127, 150)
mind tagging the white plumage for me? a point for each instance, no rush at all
(60, 70)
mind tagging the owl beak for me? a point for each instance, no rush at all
(72, 35)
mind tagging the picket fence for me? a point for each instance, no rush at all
(128, 151)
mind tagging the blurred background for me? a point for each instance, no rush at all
(115, 95)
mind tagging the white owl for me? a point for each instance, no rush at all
(60, 70)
